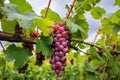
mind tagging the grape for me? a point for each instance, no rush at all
(53, 67)
(23, 69)
(64, 64)
(59, 74)
(65, 34)
(55, 39)
(57, 44)
(65, 50)
(64, 44)
(63, 59)
(52, 61)
(61, 29)
(60, 54)
(58, 36)
(57, 71)
(60, 48)
(58, 64)
(56, 27)
(56, 53)
(35, 34)
(62, 68)
(57, 58)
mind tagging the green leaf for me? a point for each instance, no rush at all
(75, 29)
(117, 2)
(81, 21)
(17, 2)
(25, 19)
(8, 24)
(51, 15)
(25, 7)
(22, 5)
(1, 2)
(94, 1)
(45, 25)
(44, 45)
(94, 54)
(2, 62)
(18, 55)
(97, 12)
(117, 28)
(82, 46)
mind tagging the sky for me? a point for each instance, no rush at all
(59, 7)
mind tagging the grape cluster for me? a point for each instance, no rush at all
(23, 69)
(39, 58)
(60, 46)
(18, 32)
(28, 46)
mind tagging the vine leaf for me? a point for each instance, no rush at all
(22, 5)
(117, 2)
(11, 26)
(45, 25)
(44, 45)
(25, 20)
(117, 28)
(18, 55)
(76, 30)
(2, 62)
(1, 2)
(51, 15)
(97, 12)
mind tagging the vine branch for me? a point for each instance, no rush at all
(47, 8)
(2, 45)
(76, 48)
(10, 37)
(96, 35)
(87, 43)
(105, 67)
(70, 10)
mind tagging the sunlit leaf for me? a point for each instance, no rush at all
(51, 15)
(45, 25)
(97, 12)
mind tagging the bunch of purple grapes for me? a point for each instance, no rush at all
(28, 46)
(18, 32)
(39, 58)
(60, 46)
(23, 69)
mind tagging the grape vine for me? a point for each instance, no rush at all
(49, 47)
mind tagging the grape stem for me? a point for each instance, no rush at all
(105, 67)
(2, 45)
(47, 8)
(76, 48)
(96, 35)
(70, 10)
(91, 44)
